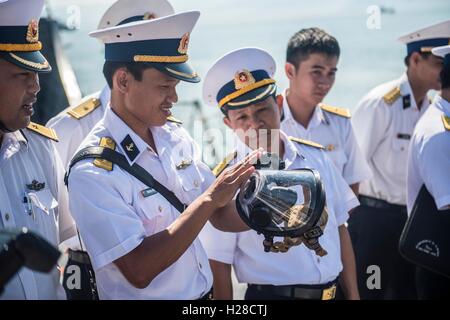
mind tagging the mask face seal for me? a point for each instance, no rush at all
(284, 203)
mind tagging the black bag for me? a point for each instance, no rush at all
(425, 240)
(84, 288)
(80, 258)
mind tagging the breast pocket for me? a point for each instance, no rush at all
(44, 210)
(400, 144)
(154, 210)
(191, 181)
(339, 158)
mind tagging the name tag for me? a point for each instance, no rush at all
(148, 192)
(404, 136)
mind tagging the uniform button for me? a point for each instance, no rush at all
(200, 265)
(318, 260)
(160, 209)
(6, 216)
(402, 148)
(196, 184)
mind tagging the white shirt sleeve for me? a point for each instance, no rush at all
(344, 198)
(371, 121)
(70, 135)
(219, 245)
(434, 163)
(67, 228)
(356, 169)
(101, 205)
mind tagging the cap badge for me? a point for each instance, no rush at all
(184, 43)
(243, 79)
(33, 31)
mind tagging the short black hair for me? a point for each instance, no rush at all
(445, 76)
(135, 68)
(424, 55)
(308, 41)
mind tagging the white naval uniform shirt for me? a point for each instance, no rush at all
(114, 217)
(383, 132)
(299, 265)
(336, 134)
(26, 156)
(429, 156)
(71, 131)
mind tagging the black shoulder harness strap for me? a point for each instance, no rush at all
(135, 170)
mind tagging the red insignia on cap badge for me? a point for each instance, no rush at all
(33, 31)
(184, 43)
(243, 79)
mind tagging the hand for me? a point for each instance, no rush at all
(231, 179)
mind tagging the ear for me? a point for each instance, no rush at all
(121, 80)
(290, 70)
(227, 122)
(414, 59)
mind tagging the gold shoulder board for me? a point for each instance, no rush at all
(335, 110)
(392, 96)
(84, 108)
(102, 163)
(43, 131)
(307, 142)
(174, 120)
(446, 121)
(224, 163)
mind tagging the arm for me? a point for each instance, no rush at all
(159, 251)
(347, 278)
(223, 286)
(355, 188)
(227, 219)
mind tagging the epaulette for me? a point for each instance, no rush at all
(335, 110)
(84, 108)
(224, 163)
(174, 120)
(43, 131)
(446, 122)
(307, 142)
(102, 163)
(392, 96)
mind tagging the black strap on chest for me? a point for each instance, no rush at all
(135, 170)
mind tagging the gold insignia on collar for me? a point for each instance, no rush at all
(33, 31)
(243, 79)
(330, 147)
(184, 164)
(130, 147)
(84, 108)
(392, 96)
(446, 122)
(43, 131)
(149, 16)
(184, 44)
